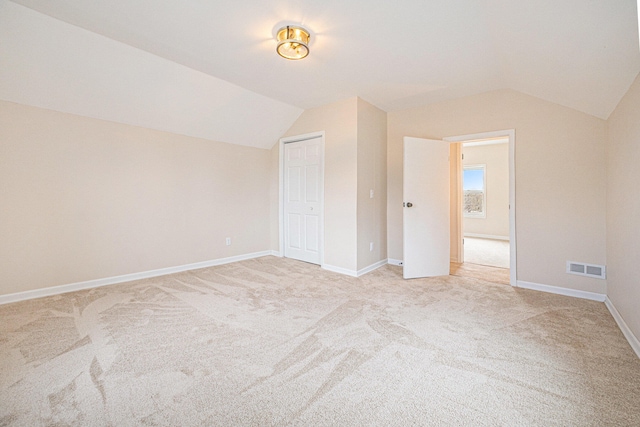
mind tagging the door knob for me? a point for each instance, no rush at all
(409, 204)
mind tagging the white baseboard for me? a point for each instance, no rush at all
(486, 236)
(372, 267)
(626, 331)
(397, 262)
(561, 291)
(354, 273)
(71, 287)
(345, 271)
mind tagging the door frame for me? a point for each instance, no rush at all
(281, 143)
(511, 135)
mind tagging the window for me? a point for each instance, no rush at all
(475, 192)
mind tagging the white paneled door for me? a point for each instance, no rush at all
(303, 182)
(426, 237)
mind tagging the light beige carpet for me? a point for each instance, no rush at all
(489, 252)
(273, 341)
(482, 272)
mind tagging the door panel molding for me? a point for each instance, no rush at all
(318, 198)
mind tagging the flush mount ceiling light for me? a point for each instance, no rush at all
(293, 42)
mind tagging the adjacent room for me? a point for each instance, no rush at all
(319, 213)
(486, 203)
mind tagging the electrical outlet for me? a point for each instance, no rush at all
(371, 246)
(371, 194)
(228, 241)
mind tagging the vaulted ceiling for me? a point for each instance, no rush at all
(579, 53)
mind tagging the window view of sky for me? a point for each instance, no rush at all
(473, 179)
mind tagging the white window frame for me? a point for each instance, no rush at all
(482, 167)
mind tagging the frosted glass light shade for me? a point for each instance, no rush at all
(293, 42)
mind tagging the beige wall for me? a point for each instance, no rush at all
(560, 177)
(86, 199)
(495, 157)
(355, 162)
(339, 121)
(372, 175)
(623, 208)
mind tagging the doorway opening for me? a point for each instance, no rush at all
(485, 202)
(483, 206)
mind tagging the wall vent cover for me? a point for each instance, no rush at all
(589, 270)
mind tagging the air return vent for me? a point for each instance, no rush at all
(589, 270)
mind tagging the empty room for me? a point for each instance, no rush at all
(277, 213)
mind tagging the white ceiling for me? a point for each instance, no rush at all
(578, 53)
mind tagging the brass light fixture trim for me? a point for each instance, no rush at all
(293, 42)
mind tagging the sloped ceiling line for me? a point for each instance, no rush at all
(50, 64)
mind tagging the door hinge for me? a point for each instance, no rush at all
(462, 156)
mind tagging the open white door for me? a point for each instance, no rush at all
(426, 237)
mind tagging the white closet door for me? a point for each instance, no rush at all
(302, 199)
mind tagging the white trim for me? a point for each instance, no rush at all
(485, 142)
(486, 236)
(626, 331)
(340, 270)
(396, 262)
(372, 267)
(561, 291)
(512, 207)
(72, 287)
(354, 273)
(281, 143)
(511, 134)
(482, 135)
